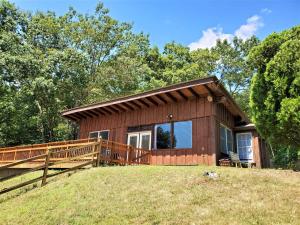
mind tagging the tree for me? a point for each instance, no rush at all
(178, 64)
(49, 63)
(275, 88)
(233, 69)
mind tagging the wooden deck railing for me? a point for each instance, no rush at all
(111, 151)
(78, 154)
(12, 154)
(42, 145)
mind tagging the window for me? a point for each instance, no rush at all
(223, 144)
(163, 136)
(173, 135)
(226, 139)
(229, 140)
(182, 134)
(93, 134)
(104, 134)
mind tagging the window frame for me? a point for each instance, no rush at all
(226, 138)
(172, 123)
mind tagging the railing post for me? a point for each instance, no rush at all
(140, 155)
(130, 154)
(99, 153)
(112, 152)
(93, 156)
(127, 154)
(15, 155)
(66, 155)
(46, 167)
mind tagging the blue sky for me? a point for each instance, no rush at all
(196, 24)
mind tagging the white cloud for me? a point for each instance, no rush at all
(249, 29)
(266, 11)
(211, 35)
(209, 38)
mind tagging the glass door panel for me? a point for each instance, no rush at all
(140, 139)
(145, 140)
(244, 146)
(133, 139)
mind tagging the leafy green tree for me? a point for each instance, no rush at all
(178, 64)
(275, 88)
(233, 69)
(50, 63)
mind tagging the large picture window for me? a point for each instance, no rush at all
(104, 134)
(182, 134)
(226, 139)
(163, 136)
(173, 135)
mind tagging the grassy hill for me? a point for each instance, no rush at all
(159, 195)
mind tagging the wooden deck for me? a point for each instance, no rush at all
(66, 156)
(63, 154)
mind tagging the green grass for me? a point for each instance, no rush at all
(158, 195)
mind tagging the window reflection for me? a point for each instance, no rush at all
(182, 134)
(163, 136)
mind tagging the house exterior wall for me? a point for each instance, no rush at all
(260, 155)
(198, 110)
(206, 118)
(222, 116)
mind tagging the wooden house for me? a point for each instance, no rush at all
(195, 122)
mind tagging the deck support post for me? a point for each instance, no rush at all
(127, 154)
(93, 156)
(130, 155)
(47, 158)
(99, 152)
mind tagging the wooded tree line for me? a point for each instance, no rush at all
(49, 63)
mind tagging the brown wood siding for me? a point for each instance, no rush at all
(198, 110)
(222, 116)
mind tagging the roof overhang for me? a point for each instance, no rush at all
(247, 127)
(209, 86)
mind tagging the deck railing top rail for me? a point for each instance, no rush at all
(49, 144)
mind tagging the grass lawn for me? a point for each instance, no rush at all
(158, 195)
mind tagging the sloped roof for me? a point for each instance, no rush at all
(169, 94)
